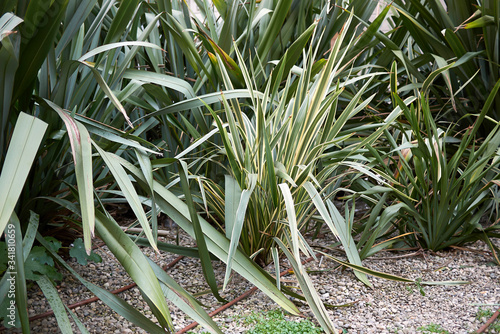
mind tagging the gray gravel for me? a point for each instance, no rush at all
(388, 307)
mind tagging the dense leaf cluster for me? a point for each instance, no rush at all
(251, 125)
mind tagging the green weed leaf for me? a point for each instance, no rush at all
(40, 263)
(79, 253)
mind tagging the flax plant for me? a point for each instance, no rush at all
(426, 36)
(72, 88)
(441, 179)
(62, 97)
(278, 139)
(281, 149)
(273, 151)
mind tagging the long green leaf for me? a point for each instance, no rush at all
(21, 294)
(312, 297)
(9, 62)
(115, 303)
(205, 99)
(339, 227)
(345, 235)
(292, 54)
(232, 199)
(26, 139)
(135, 263)
(292, 221)
(115, 135)
(368, 271)
(268, 38)
(105, 88)
(171, 248)
(238, 224)
(217, 243)
(30, 235)
(82, 155)
(147, 170)
(121, 21)
(206, 264)
(82, 158)
(42, 23)
(128, 190)
(56, 304)
(389, 276)
(184, 300)
(73, 26)
(77, 321)
(107, 47)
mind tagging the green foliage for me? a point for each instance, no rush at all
(59, 69)
(440, 178)
(272, 108)
(78, 251)
(433, 328)
(419, 286)
(40, 263)
(272, 149)
(436, 35)
(483, 315)
(279, 138)
(273, 322)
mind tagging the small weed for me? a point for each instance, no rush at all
(273, 322)
(433, 328)
(495, 327)
(419, 286)
(483, 315)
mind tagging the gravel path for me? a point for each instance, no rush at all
(390, 307)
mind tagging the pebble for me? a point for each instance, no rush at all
(388, 307)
